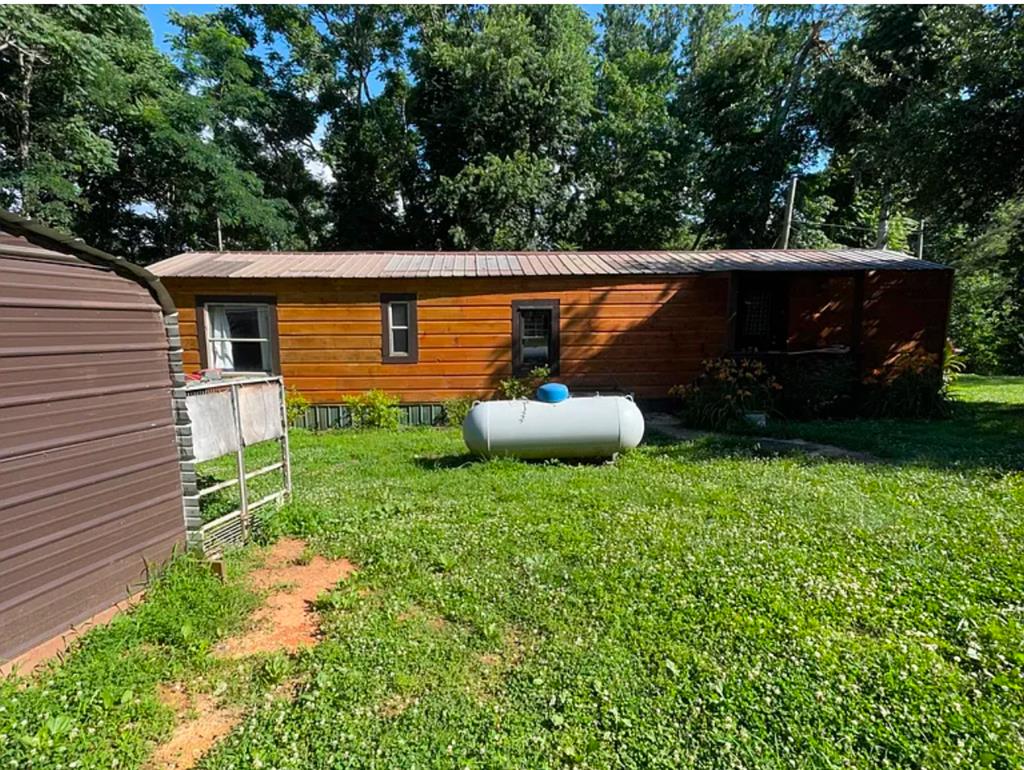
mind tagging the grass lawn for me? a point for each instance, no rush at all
(692, 605)
(986, 432)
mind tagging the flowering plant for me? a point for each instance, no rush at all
(725, 390)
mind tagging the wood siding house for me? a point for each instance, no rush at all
(433, 326)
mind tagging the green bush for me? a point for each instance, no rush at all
(910, 387)
(986, 323)
(815, 386)
(455, 411)
(954, 363)
(524, 387)
(724, 391)
(373, 409)
(295, 405)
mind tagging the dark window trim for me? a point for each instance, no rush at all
(553, 305)
(413, 356)
(245, 299)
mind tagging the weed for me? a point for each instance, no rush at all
(296, 406)
(373, 409)
(455, 411)
(524, 387)
(273, 670)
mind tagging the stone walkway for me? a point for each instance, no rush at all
(668, 425)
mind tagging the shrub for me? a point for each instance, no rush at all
(295, 405)
(455, 411)
(909, 386)
(523, 387)
(815, 386)
(987, 321)
(954, 363)
(724, 391)
(373, 409)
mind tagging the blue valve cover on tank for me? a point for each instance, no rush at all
(552, 392)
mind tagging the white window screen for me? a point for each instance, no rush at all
(238, 337)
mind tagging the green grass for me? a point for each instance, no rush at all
(985, 432)
(99, 709)
(692, 605)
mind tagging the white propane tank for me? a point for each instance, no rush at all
(589, 426)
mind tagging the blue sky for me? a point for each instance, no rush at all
(162, 27)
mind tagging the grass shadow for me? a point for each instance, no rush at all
(465, 460)
(448, 462)
(984, 433)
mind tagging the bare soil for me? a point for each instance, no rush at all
(286, 621)
(202, 723)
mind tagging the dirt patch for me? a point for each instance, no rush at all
(202, 723)
(395, 706)
(490, 668)
(514, 647)
(286, 621)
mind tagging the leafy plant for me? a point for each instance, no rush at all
(954, 363)
(724, 391)
(455, 411)
(373, 409)
(295, 405)
(273, 670)
(910, 386)
(523, 387)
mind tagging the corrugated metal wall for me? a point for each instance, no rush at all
(90, 485)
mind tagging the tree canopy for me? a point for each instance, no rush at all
(531, 127)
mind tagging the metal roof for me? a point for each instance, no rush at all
(47, 243)
(502, 264)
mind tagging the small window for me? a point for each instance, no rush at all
(760, 313)
(534, 335)
(239, 336)
(398, 328)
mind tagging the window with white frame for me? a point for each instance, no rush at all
(238, 337)
(398, 328)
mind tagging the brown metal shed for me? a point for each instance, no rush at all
(91, 475)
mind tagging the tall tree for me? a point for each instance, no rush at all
(255, 114)
(745, 96)
(351, 58)
(638, 171)
(105, 141)
(500, 100)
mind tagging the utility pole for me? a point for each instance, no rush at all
(790, 200)
(920, 239)
(220, 238)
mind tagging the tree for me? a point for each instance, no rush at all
(745, 100)
(500, 101)
(106, 142)
(59, 85)
(639, 184)
(254, 114)
(351, 60)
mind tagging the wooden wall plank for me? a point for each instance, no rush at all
(626, 333)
